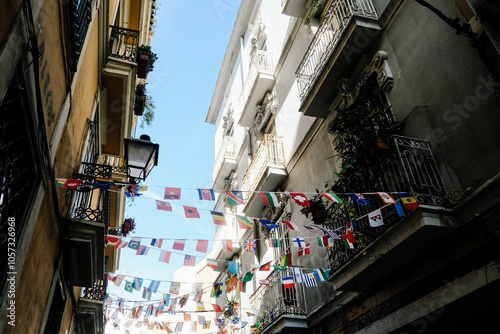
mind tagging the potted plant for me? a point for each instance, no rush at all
(145, 61)
(140, 99)
(127, 227)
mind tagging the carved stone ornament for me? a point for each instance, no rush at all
(380, 66)
(228, 118)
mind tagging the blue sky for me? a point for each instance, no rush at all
(190, 40)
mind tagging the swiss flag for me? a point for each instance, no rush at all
(300, 199)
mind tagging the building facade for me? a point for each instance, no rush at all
(362, 97)
(69, 98)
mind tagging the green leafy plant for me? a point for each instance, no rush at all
(149, 112)
(152, 56)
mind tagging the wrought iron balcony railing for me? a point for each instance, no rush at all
(227, 151)
(278, 300)
(89, 203)
(118, 165)
(80, 18)
(123, 44)
(408, 167)
(270, 153)
(327, 37)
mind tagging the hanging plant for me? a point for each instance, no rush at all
(127, 227)
(317, 210)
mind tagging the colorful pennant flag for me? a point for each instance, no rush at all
(287, 282)
(321, 275)
(128, 286)
(286, 260)
(217, 308)
(218, 218)
(298, 242)
(399, 209)
(212, 263)
(314, 229)
(300, 199)
(137, 283)
(172, 193)
(118, 279)
(154, 285)
(202, 246)
(298, 276)
(164, 206)
(234, 267)
(191, 212)
(174, 288)
(164, 256)
(200, 306)
(235, 198)
(146, 293)
(264, 282)
(386, 198)
(268, 224)
(157, 242)
(250, 245)
(134, 243)
(189, 260)
(244, 223)
(68, 183)
(310, 280)
(142, 250)
(229, 245)
(360, 199)
(323, 241)
(265, 267)
(409, 201)
(375, 218)
(179, 244)
(121, 244)
(291, 226)
(275, 243)
(305, 250)
(206, 194)
(231, 285)
(270, 199)
(332, 197)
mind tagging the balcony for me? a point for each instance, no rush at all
(87, 225)
(347, 30)
(259, 80)
(295, 8)
(225, 161)
(265, 173)
(381, 251)
(89, 316)
(287, 305)
(123, 44)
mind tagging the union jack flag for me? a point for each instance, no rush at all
(250, 245)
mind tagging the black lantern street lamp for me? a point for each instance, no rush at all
(141, 156)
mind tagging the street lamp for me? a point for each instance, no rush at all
(141, 156)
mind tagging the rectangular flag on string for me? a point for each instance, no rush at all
(231, 285)
(375, 218)
(360, 199)
(218, 218)
(216, 291)
(142, 250)
(134, 243)
(275, 243)
(323, 241)
(157, 242)
(269, 199)
(198, 292)
(191, 212)
(200, 306)
(137, 283)
(314, 229)
(310, 280)
(179, 244)
(265, 267)
(250, 245)
(234, 267)
(286, 260)
(118, 279)
(217, 308)
(298, 275)
(172, 193)
(235, 198)
(164, 256)
(189, 260)
(242, 286)
(68, 183)
(174, 288)
(300, 199)
(146, 293)
(306, 250)
(332, 197)
(154, 285)
(202, 246)
(321, 274)
(164, 206)
(287, 282)
(291, 226)
(399, 209)
(206, 194)
(409, 201)
(229, 245)
(386, 198)
(244, 223)
(212, 263)
(121, 244)
(264, 282)
(268, 224)
(298, 242)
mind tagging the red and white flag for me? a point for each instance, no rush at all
(300, 199)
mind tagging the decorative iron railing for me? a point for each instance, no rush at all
(409, 166)
(123, 44)
(226, 151)
(89, 203)
(327, 37)
(274, 300)
(270, 153)
(118, 165)
(261, 62)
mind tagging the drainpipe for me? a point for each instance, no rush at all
(250, 150)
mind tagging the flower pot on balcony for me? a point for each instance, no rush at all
(140, 103)
(143, 65)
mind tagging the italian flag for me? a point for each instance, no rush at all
(270, 199)
(332, 198)
(323, 241)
